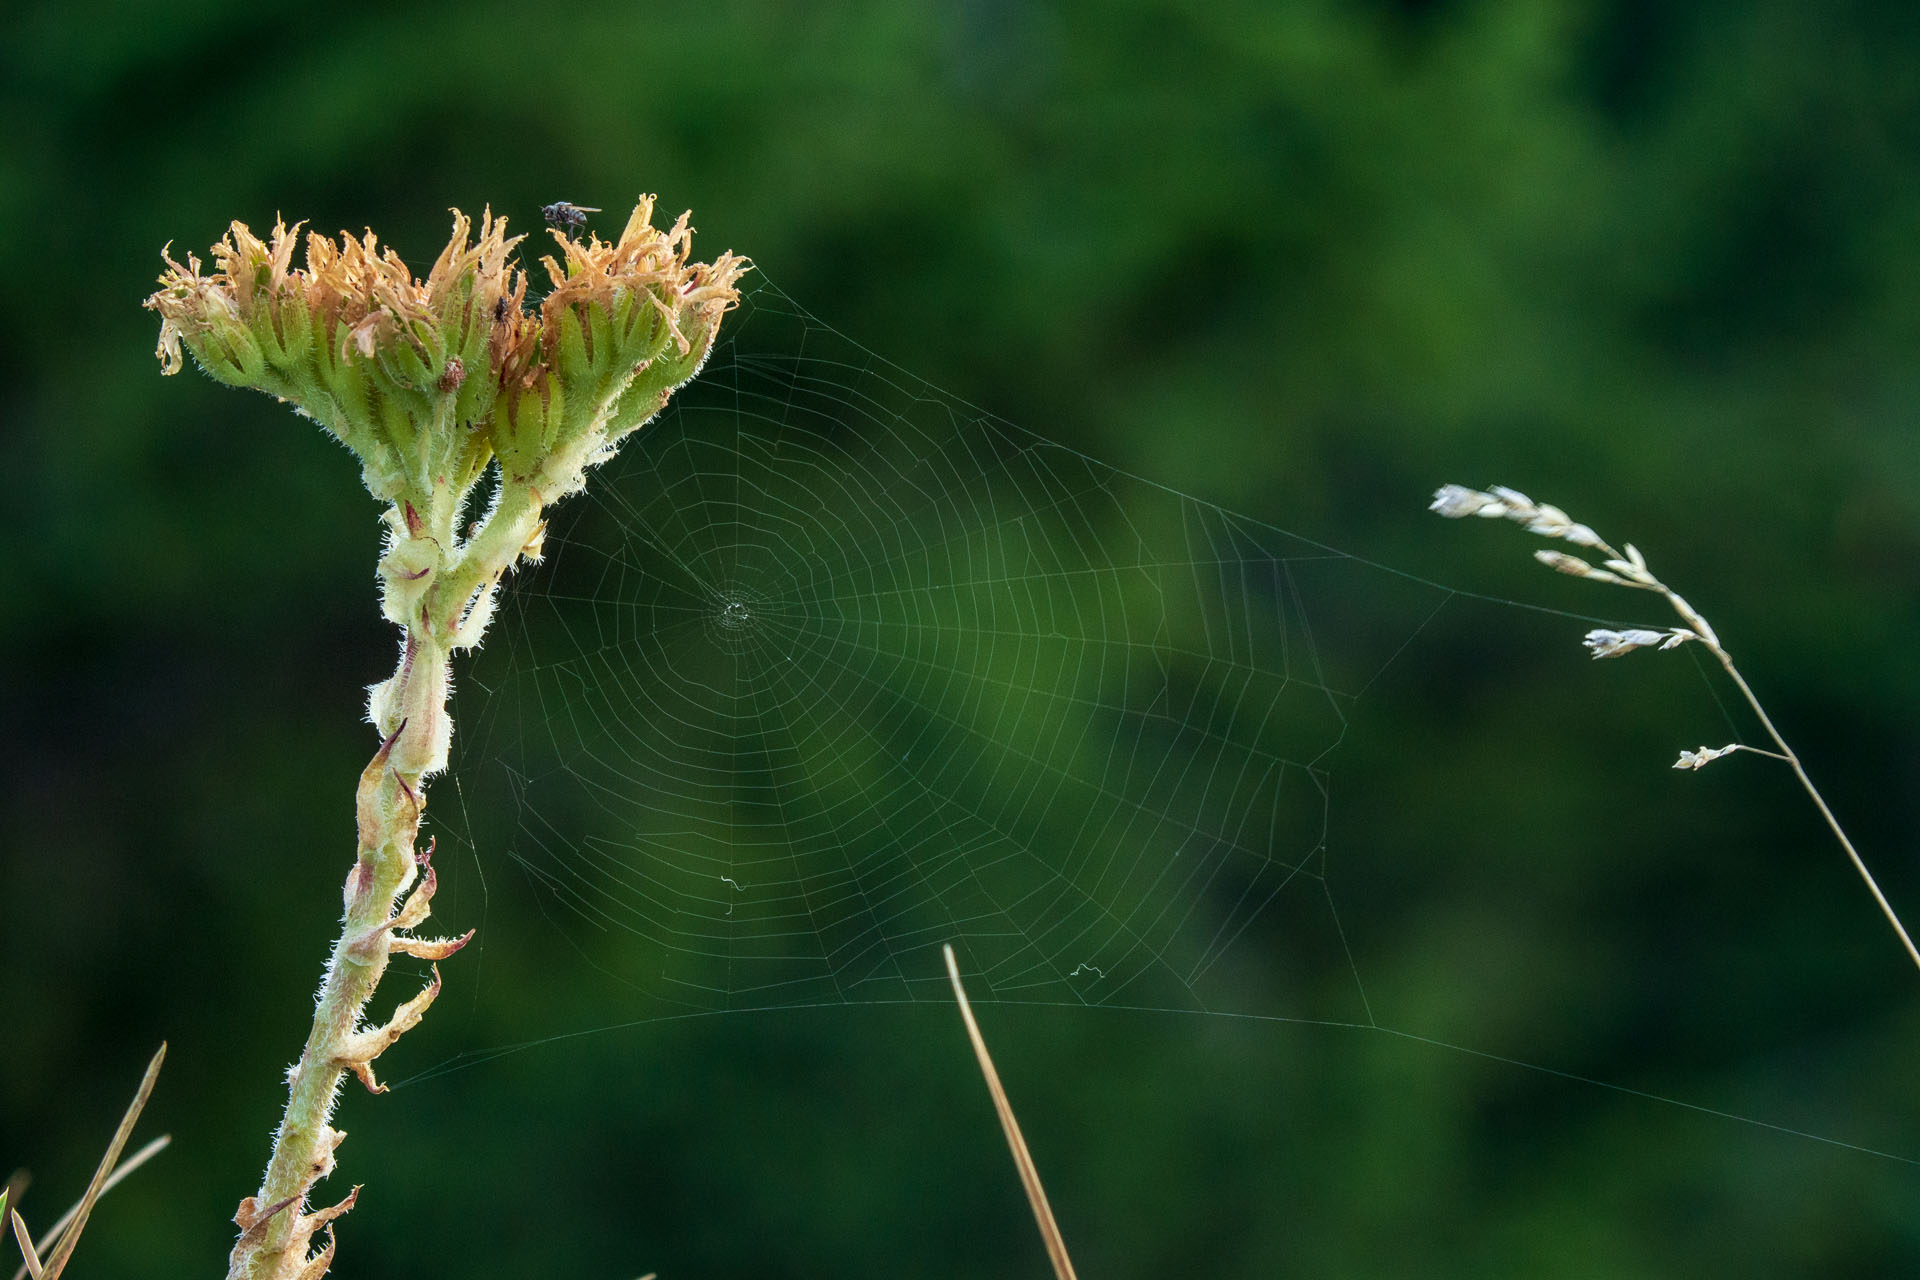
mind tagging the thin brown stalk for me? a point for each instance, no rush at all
(119, 1175)
(1833, 824)
(65, 1233)
(1703, 630)
(1022, 1158)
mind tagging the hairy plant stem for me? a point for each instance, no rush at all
(390, 888)
(384, 868)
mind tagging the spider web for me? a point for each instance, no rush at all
(832, 668)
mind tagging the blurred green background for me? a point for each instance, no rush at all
(1655, 262)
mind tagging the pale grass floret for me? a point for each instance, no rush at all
(1454, 501)
(1628, 568)
(1701, 757)
(1611, 644)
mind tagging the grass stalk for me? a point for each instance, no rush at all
(1022, 1158)
(1627, 567)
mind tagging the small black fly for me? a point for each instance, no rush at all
(570, 218)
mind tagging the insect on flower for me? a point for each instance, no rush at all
(570, 218)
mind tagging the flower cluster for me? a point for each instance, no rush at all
(624, 324)
(378, 358)
(1626, 568)
(432, 381)
(428, 380)
(1623, 568)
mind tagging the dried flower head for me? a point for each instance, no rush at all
(624, 324)
(430, 381)
(393, 365)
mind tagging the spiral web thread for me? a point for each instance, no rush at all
(831, 668)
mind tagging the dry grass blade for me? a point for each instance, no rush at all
(1022, 1159)
(119, 1175)
(75, 1220)
(32, 1265)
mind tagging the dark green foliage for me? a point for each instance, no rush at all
(1655, 263)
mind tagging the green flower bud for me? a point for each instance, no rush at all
(378, 358)
(624, 325)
